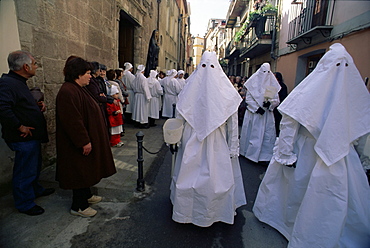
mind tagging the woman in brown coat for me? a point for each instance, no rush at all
(84, 156)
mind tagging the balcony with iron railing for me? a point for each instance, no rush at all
(312, 24)
(254, 37)
(258, 39)
(233, 48)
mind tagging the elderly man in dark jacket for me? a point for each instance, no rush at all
(24, 129)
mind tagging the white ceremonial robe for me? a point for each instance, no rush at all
(127, 79)
(324, 201)
(258, 134)
(207, 184)
(182, 82)
(314, 205)
(155, 103)
(171, 89)
(142, 98)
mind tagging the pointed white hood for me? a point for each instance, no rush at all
(208, 99)
(262, 83)
(332, 103)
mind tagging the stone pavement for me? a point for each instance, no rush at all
(57, 226)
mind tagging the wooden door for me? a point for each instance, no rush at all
(126, 41)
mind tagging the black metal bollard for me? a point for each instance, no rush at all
(173, 110)
(140, 180)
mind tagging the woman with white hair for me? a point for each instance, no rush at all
(142, 98)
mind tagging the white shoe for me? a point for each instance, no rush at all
(88, 212)
(94, 199)
(120, 144)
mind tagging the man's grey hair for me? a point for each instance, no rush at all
(17, 59)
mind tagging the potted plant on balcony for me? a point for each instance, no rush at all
(269, 9)
(241, 32)
(253, 18)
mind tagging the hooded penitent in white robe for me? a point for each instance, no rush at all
(127, 79)
(142, 96)
(325, 200)
(207, 184)
(171, 88)
(155, 91)
(258, 131)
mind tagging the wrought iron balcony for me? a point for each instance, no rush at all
(312, 22)
(257, 40)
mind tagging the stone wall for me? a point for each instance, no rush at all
(52, 30)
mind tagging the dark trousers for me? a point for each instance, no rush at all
(79, 198)
(26, 172)
(151, 122)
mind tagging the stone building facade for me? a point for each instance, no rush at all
(111, 32)
(293, 35)
(198, 48)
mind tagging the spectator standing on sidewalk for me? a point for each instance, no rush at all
(123, 88)
(103, 72)
(84, 155)
(115, 118)
(95, 89)
(103, 82)
(23, 129)
(111, 80)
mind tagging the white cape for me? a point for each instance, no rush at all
(207, 184)
(324, 201)
(127, 79)
(142, 97)
(156, 91)
(258, 133)
(171, 88)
